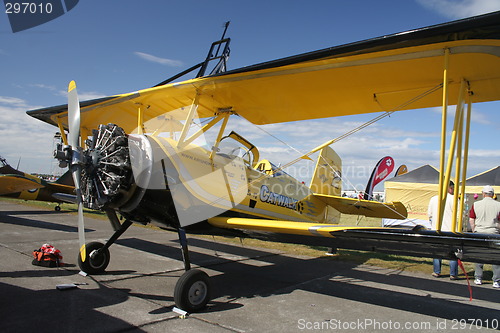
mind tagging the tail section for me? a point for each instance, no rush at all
(326, 185)
(327, 180)
(66, 179)
(327, 174)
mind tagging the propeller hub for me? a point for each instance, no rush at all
(95, 158)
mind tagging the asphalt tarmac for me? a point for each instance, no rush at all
(254, 289)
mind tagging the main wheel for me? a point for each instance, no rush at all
(192, 290)
(95, 261)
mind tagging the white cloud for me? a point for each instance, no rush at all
(44, 86)
(411, 144)
(24, 137)
(456, 9)
(480, 118)
(481, 153)
(162, 61)
(477, 116)
(83, 95)
(12, 101)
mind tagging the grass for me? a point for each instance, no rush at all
(393, 262)
(65, 207)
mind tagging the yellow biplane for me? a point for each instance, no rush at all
(19, 185)
(165, 156)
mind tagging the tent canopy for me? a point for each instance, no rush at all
(414, 189)
(424, 174)
(491, 177)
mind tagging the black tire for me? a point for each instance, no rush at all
(192, 291)
(57, 208)
(94, 263)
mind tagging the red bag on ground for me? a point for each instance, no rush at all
(47, 256)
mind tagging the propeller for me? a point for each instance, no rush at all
(76, 159)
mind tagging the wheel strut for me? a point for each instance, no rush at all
(192, 291)
(125, 225)
(184, 248)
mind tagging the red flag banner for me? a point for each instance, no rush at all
(383, 168)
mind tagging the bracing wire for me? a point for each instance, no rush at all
(347, 134)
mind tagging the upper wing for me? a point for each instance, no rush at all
(17, 183)
(392, 210)
(483, 248)
(396, 72)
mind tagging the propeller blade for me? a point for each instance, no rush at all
(76, 168)
(73, 115)
(81, 225)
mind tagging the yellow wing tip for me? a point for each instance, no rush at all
(72, 85)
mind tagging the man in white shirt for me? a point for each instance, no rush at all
(484, 217)
(433, 213)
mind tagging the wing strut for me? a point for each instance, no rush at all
(442, 182)
(455, 153)
(466, 159)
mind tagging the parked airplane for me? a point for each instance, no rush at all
(152, 163)
(20, 185)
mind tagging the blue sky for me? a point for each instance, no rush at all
(117, 46)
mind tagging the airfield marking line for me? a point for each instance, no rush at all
(12, 249)
(229, 328)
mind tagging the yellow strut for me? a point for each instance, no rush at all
(140, 121)
(457, 132)
(61, 130)
(442, 185)
(466, 159)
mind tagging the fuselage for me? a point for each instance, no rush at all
(202, 184)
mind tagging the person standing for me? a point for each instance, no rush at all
(484, 217)
(433, 213)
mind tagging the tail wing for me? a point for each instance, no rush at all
(327, 180)
(327, 174)
(326, 185)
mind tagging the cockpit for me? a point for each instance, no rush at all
(235, 145)
(269, 168)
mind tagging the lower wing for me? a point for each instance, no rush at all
(418, 242)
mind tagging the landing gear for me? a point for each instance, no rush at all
(192, 290)
(98, 254)
(57, 208)
(97, 258)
